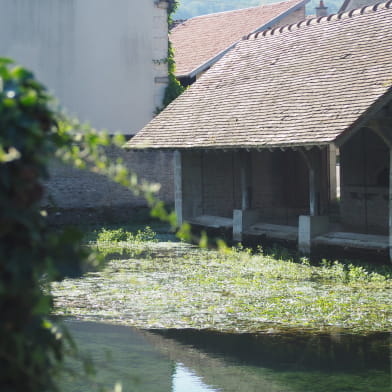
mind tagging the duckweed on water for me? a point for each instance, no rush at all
(176, 285)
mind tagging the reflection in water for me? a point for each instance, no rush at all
(202, 361)
(185, 380)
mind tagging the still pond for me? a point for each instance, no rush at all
(203, 361)
(169, 317)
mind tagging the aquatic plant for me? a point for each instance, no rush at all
(108, 236)
(177, 285)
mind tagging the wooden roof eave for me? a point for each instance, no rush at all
(282, 147)
(364, 118)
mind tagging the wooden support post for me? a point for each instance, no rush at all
(390, 204)
(313, 162)
(178, 202)
(312, 192)
(314, 224)
(240, 216)
(332, 177)
(245, 180)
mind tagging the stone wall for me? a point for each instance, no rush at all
(220, 183)
(280, 185)
(77, 196)
(210, 183)
(364, 163)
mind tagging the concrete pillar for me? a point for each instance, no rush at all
(238, 225)
(178, 187)
(308, 228)
(241, 220)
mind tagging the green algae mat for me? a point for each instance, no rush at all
(150, 284)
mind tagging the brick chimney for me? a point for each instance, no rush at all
(321, 10)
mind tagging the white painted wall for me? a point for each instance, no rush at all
(96, 56)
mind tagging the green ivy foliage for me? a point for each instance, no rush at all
(172, 8)
(31, 254)
(174, 88)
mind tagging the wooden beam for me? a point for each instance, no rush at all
(390, 204)
(245, 174)
(312, 192)
(383, 128)
(313, 161)
(332, 178)
(178, 191)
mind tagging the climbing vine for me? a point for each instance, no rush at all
(172, 8)
(174, 88)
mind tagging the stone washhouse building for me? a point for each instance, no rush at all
(255, 138)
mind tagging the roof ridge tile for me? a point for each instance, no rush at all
(322, 19)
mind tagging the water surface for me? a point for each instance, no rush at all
(203, 361)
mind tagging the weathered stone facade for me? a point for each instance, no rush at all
(365, 183)
(277, 184)
(81, 196)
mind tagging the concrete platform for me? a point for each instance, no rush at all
(214, 222)
(353, 240)
(269, 230)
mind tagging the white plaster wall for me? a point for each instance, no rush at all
(96, 56)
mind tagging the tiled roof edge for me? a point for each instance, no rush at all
(364, 117)
(323, 19)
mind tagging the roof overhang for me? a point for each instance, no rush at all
(365, 117)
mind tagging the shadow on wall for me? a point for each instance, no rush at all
(76, 196)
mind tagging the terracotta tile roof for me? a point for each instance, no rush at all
(304, 84)
(200, 39)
